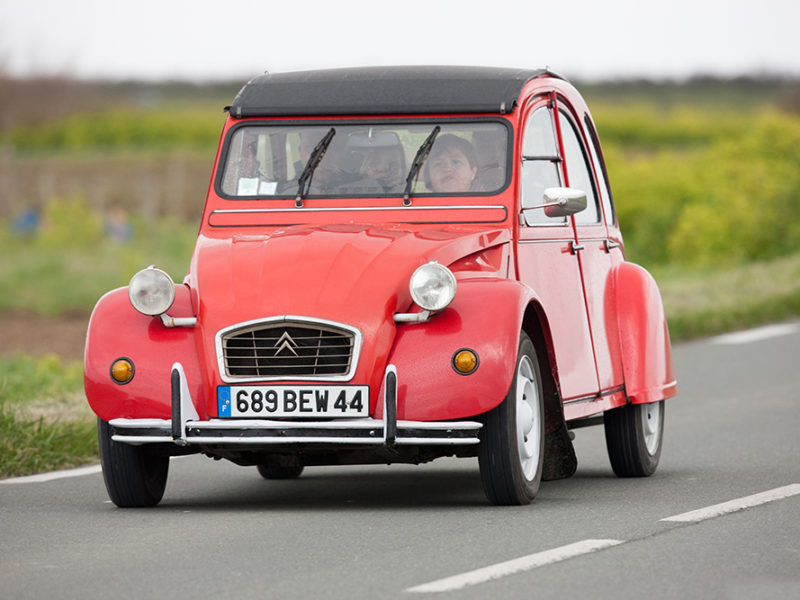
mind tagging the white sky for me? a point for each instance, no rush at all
(580, 39)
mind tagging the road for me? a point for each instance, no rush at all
(400, 531)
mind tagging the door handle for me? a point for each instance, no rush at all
(610, 245)
(575, 247)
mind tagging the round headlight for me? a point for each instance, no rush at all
(151, 291)
(433, 286)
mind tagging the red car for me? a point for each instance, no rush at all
(393, 265)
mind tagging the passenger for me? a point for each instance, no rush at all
(386, 166)
(451, 166)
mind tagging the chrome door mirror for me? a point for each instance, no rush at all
(563, 201)
(559, 202)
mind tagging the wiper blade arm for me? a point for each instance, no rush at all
(416, 165)
(304, 181)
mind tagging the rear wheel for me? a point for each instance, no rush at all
(280, 472)
(134, 475)
(634, 434)
(512, 438)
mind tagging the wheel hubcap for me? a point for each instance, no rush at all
(528, 419)
(651, 425)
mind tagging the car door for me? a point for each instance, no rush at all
(546, 259)
(597, 252)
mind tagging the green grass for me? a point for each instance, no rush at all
(73, 261)
(712, 301)
(45, 422)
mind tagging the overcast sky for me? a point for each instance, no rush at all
(580, 39)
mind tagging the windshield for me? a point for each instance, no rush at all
(374, 159)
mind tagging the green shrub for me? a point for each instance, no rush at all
(729, 201)
(121, 130)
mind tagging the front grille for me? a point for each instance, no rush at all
(287, 350)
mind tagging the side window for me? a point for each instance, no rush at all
(540, 162)
(602, 176)
(578, 171)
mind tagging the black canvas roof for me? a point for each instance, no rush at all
(383, 90)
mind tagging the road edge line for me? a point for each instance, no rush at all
(44, 477)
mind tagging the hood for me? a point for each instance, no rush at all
(352, 274)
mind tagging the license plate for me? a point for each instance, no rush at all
(293, 401)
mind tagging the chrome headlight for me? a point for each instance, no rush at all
(151, 291)
(433, 286)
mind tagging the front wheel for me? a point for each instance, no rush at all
(135, 477)
(634, 434)
(511, 449)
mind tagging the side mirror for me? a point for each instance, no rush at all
(563, 201)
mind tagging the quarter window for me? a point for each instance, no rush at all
(578, 171)
(602, 176)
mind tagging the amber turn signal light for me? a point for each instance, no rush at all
(465, 361)
(122, 370)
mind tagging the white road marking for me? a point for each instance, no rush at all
(42, 477)
(756, 335)
(739, 504)
(517, 565)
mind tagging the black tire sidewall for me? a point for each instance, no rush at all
(498, 453)
(530, 487)
(134, 477)
(625, 441)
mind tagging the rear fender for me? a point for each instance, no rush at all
(644, 338)
(486, 317)
(117, 330)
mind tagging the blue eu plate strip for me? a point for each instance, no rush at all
(224, 401)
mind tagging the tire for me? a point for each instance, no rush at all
(280, 472)
(134, 476)
(634, 435)
(511, 450)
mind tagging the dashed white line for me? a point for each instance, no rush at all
(517, 565)
(42, 477)
(758, 334)
(717, 510)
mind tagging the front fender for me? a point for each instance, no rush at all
(486, 316)
(117, 330)
(644, 338)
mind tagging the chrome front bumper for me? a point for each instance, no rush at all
(186, 428)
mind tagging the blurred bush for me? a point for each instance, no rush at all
(723, 193)
(121, 130)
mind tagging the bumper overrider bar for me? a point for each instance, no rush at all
(186, 428)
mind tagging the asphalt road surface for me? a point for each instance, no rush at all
(731, 460)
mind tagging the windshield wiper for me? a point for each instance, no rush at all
(304, 181)
(422, 154)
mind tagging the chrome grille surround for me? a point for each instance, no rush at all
(288, 348)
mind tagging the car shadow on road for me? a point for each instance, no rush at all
(433, 487)
(329, 489)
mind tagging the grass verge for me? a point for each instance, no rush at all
(45, 422)
(709, 302)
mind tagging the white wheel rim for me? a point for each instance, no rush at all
(651, 425)
(528, 419)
